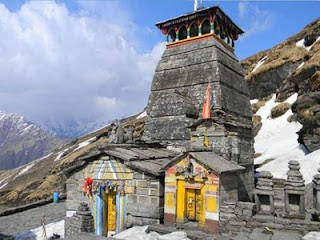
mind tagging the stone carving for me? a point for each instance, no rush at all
(118, 135)
(294, 191)
(316, 194)
(82, 221)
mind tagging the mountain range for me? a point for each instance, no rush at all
(22, 141)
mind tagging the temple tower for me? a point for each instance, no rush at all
(200, 50)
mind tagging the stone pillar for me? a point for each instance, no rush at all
(316, 193)
(82, 221)
(294, 191)
(264, 194)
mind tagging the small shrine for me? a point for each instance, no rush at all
(195, 184)
(264, 193)
(294, 191)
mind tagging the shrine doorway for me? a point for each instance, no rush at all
(109, 213)
(194, 204)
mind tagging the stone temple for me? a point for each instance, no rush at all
(186, 166)
(200, 49)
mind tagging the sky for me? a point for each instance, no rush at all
(71, 63)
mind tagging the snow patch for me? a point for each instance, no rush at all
(38, 234)
(301, 65)
(3, 185)
(277, 143)
(301, 44)
(144, 114)
(26, 169)
(259, 64)
(311, 236)
(85, 143)
(59, 155)
(139, 233)
(70, 213)
(253, 101)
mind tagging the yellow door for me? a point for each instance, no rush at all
(198, 204)
(111, 216)
(191, 204)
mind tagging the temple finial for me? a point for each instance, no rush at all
(197, 5)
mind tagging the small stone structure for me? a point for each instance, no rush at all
(294, 191)
(195, 184)
(82, 221)
(127, 189)
(264, 194)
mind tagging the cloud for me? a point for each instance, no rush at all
(58, 66)
(254, 19)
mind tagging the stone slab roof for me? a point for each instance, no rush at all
(145, 158)
(139, 154)
(215, 162)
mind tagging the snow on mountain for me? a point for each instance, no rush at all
(22, 141)
(277, 143)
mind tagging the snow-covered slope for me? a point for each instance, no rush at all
(22, 141)
(277, 143)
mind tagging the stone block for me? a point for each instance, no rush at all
(237, 223)
(283, 221)
(141, 183)
(263, 218)
(144, 200)
(154, 184)
(227, 209)
(142, 191)
(227, 215)
(156, 201)
(132, 199)
(247, 212)
(155, 192)
(246, 205)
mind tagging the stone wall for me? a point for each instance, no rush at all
(146, 205)
(74, 191)
(241, 217)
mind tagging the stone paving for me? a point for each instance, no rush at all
(29, 219)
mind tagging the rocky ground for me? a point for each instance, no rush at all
(30, 219)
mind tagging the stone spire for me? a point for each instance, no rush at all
(265, 182)
(82, 221)
(294, 180)
(294, 191)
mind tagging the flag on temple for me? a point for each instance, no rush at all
(206, 104)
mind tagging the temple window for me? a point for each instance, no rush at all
(182, 33)
(172, 35)
(194, 30)
(205, 27)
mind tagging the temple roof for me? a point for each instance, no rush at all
(203, 12)
(210, 159)
(215, 162)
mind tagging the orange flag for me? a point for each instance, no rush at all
(206, 104)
